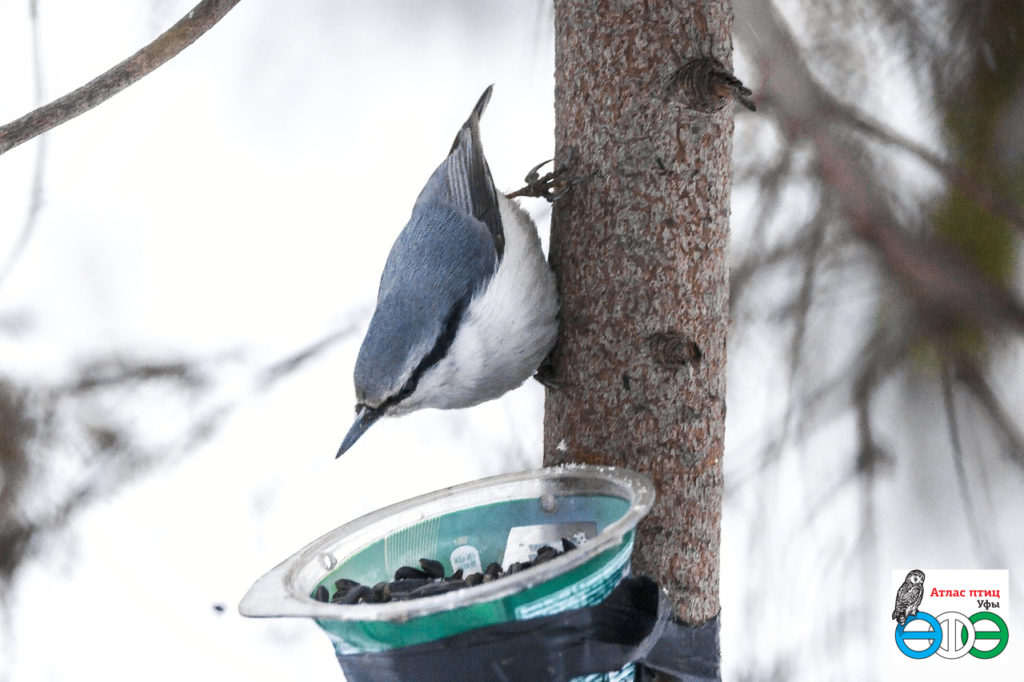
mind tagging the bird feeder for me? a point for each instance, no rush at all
(502, 519)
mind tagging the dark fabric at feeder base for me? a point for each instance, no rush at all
(631, 625)
(690, 653)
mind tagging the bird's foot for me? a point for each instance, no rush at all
(546, 376)
(551, 186)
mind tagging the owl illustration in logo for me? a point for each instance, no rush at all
(909, 596)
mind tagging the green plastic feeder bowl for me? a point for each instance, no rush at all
(504, 519)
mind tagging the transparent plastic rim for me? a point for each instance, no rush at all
(284, 591)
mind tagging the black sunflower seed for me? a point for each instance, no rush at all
(410, 573)
(432, 567)
(344, 584)
(429, 579)
(357, 595)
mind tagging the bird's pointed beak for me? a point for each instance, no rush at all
(365, 418)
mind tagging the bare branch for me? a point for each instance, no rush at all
(116, 370)
(972, 377)
(805, 296)
(36, 196)
(198, 21)
(977, 532)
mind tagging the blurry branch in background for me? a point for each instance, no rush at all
(936, 275)
(953, 294)
(64, 446)
(984, 195)
(294, 361)
(198, 21)
(988, 555)
(1009, 431)
(952, 297)
(887, 266)
(36, 196)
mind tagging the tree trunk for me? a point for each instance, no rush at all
(640, 250)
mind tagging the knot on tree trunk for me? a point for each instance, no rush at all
(705, 84)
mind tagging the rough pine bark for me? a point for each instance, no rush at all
(640, 248)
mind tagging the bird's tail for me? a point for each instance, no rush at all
(473, 122)
(481, 103)
(467, 177)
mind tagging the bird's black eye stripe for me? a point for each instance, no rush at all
(441, 346)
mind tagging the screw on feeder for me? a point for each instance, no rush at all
(328, 561)
(548, 503)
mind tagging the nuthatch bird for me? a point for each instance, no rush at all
(467, 307)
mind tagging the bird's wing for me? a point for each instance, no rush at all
(441, 259)
(464, 180)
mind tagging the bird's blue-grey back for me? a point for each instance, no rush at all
(446, 253)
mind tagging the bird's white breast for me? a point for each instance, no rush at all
(507, 329)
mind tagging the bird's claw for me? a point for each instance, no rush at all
(533, 176)
(550, 186)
